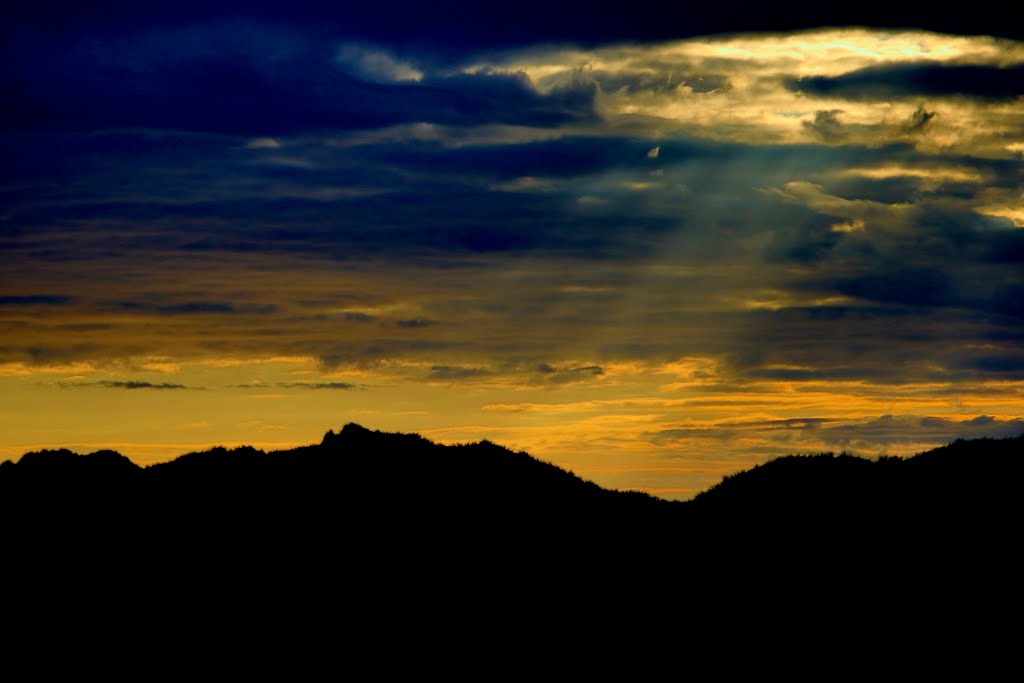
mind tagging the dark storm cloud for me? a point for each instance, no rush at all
(368, 355)
(892, 429)
(1006, 365)
(414, 323)
(935, 278)
(535, 374)
(34, 300)
(141, 385)
(449, 209)
(356, 316)
(1008, 248)
(728, 430)
(131, 384)
(670, 436)
(590, 194)
(546, 369)
(790, 423)
(218, 195)
(550, 374)
(454, 372)
(193, 307)
(54, 353)
(104, 158)
(883, 344)
(916, 79)
(393, 197)
(457, 219)
(905, 251)
(460, 27)
(901, 285)
(567, 156)
(244, 79)
(920, 118)
(1009, 299)
(885, 430)
(829, 127)
(806, 375)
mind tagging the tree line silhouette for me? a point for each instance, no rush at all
(371, 524)
(391, 491)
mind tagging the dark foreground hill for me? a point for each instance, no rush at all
(400, 493)
(965, 480)
(361, 481)
(371, 541)
(369, 502)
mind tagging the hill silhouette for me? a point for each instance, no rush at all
(355, 469)
(381, 496)
(965, 482)
(401, 490)
(393, 534)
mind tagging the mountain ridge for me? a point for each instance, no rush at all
(415, 452)
(407, 485)
(370, 525)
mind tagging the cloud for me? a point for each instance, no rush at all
(374, 64)
(916, 79)
(450, 27)
(121, 384)
(1014, 213)
(788, 423)
(452, 373)
(828, 127)
(260, 82)
(741, 88)
(920, 118)
(786, 373)
(263, 143)
(931, 176)
(414, 323)
(909, 286)
(524, 184)
(866, 437)
(34, 300)
(895, 429)
(515, 190)
(265, 82)
(815, 198)
(141, 385)
(343, 386)
(723, 433)
(853, 226)
(329, 386)
(193, 307)
(1007, 365)
(550, 374)
(673, 436)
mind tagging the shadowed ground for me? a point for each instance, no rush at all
(392, 532)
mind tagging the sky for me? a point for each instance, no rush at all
(655, 246)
